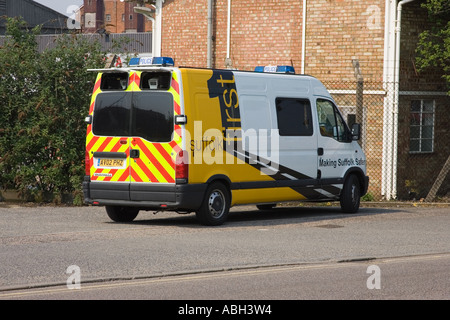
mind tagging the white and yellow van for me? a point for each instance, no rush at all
(200, 140)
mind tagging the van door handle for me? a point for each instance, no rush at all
(134, 153)
(320, 151)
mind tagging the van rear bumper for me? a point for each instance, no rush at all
(181, 197)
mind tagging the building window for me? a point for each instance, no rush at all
(108, 17)
(421, 137)
(131, 17)
(123, 17)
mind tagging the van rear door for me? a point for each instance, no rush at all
(152, 158)
(107, 142)
(133, 141)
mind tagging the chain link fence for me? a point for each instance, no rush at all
(405, 137)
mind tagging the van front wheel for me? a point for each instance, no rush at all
(215, 206)
(121, 214)
(351, 195)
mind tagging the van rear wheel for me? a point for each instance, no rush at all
(351, 195)
(216, 205)
(121, 214)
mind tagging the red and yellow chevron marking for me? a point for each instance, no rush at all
(134, 80)
(156, 162)
(110, 144)
(175, 145)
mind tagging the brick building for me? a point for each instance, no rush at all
(115, 16)
(350, 46)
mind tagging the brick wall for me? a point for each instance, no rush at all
(184, 32)
(260, 34)
(339, 31)
(269, 32)
(414, 21)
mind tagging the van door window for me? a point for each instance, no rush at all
(112, 114)
(294, 117)
(331, 123)
(153, 116)
(150, 114)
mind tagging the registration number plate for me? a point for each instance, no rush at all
(110, 163)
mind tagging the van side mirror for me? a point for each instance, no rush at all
(356, 131)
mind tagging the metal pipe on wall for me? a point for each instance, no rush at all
(209, 41)
(304, 36)
(398, 32)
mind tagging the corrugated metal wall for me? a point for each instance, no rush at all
(135, 42)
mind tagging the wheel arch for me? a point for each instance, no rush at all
(223, 179)
(361, 178)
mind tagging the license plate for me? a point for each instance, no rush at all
(110, 163)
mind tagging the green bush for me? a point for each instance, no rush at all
(44, 98)
(368, 197)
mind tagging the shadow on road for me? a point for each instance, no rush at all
(251, 216)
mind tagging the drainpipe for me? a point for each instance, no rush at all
(391, 78)
(209, 45)
(398, 31)
(157, 28)
(304, 36)
(228, 59)
(388, 81)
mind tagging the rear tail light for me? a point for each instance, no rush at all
(87, 164)
(182, 167)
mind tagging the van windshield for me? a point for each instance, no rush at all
(149, 115)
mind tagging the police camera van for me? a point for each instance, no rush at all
(188, 140)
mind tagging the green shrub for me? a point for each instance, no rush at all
(368, 197)
(44, 98)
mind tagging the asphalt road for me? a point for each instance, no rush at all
(286, 253)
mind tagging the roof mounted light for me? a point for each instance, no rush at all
(275, 69)
(134, 62)
(151, 61)
(163, 61)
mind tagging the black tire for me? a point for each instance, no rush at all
(351, 195)
(121, 214)
(266, 206)
(216, 205)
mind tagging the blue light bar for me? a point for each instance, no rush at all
(150, 61)
(259, 69)
(163, 61)
(134, 62)
(285, 69)
(275, 69)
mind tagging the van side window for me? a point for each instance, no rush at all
(294, 117)
(331, 123)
